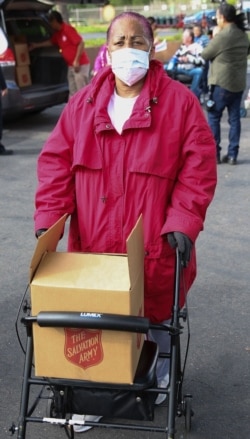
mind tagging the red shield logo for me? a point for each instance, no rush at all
(83, 347)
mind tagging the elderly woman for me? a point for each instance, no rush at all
(132, 142)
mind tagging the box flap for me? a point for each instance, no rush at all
(135, 252)
(47, 242)
(83, 271)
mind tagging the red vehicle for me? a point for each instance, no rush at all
(180, 21)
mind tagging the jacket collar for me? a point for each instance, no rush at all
(106, 76)
(102, 87)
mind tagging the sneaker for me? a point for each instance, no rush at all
(162, 396)
(232, 161)
(229, 160)
(81, 428)
(4, 151)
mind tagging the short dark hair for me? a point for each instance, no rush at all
(230, 13)
(199, 26)
(55, 15)
(151, 20)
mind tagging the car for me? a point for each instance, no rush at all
(191, 20)
(35, 79)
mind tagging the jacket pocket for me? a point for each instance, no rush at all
(157, 156)
(86, 155)
(155, 168)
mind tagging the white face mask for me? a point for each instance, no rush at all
(130, 65)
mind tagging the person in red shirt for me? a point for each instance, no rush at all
(72, 49)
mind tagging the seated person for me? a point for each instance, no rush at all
(187, 61)
(203, 40)
(199, 36)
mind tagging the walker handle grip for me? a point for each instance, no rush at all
(92, 320)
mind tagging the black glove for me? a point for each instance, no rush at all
(39, 232)
(184, 244)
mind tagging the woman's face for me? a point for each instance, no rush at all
(127, 33)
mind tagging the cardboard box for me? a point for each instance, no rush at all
(22, 54)
(99, 283)
(18, 39)
(23, 77)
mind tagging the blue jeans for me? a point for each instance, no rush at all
(196, 75)
(204, 84)
(230, 100)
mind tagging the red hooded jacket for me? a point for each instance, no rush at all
(162, 166)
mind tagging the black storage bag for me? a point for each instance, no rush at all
(125, 404)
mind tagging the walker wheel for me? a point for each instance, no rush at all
(54, 408)
(188, 412)
(51, 411)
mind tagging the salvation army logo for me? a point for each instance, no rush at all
(83, 347)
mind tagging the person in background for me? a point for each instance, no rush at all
(102, 59)
(72, 48)
(201, 38)
(210, 33)
(4, 91)
(112, 161)
(153, 24)
(187, 61)
(204, 25)
(228, 52)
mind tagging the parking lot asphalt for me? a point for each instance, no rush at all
(218, 367)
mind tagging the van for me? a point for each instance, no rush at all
(37, 79)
